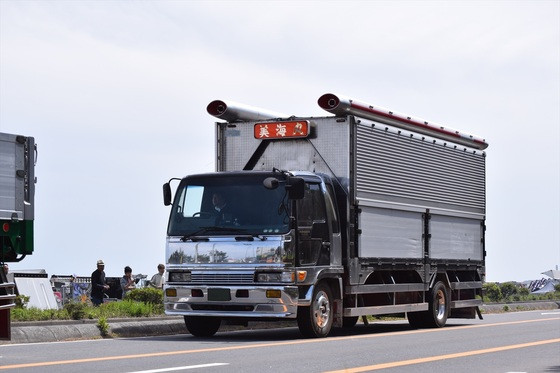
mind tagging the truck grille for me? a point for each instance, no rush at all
(222, 278)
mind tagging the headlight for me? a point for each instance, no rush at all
(179, 277)
(276, 277)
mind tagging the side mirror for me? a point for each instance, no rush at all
(295, 187)
(270, 183)
(166, 194)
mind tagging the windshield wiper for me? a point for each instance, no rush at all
(212, 229)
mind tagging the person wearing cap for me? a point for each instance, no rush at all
(98, 284)
(127, 282)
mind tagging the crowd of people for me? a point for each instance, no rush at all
(99, 284)
(99, 289)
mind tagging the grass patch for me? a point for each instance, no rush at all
(141, 303)
(103, 326)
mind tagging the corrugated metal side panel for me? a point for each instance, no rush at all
(393, 167)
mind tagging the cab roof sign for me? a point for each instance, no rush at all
(281, 130)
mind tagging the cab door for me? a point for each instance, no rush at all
(314, 236)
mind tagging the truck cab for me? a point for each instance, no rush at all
(250, 244)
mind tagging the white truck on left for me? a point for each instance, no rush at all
(17, 211)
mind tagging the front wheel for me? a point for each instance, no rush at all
(316, 321)
(202, 326)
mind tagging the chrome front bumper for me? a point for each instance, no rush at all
(234, 301)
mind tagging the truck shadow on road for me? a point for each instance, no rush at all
(290, 333)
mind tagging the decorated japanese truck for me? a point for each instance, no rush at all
(326, 219)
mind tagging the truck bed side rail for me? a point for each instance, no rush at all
(7, 296)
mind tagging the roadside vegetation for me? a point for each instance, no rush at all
(145, 302)
(513, 292)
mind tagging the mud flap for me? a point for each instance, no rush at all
(479, 313)
(338, 313)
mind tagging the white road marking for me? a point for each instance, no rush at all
(180, 368)
(550, 313)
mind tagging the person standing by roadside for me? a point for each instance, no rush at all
(158, 280)
(98, 284)
(127, 282)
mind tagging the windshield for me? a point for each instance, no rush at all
(228, 204)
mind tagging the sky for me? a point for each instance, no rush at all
(115, 94)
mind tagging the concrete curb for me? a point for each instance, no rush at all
(144, 328)
(68, 330)
(52, 333)
(521, 306)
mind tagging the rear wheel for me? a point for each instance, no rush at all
(316, 321)
(438, 309)
(202, 326)
(439, 305)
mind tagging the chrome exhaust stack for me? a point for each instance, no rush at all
(340, 106)
(235, 112)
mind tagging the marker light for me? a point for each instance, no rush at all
(301, 275)
(270, 293)
(171, 292)
(6, 227)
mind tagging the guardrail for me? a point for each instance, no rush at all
(9, 296)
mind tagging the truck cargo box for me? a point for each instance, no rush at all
(394, 178)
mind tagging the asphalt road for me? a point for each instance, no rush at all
(510, 342)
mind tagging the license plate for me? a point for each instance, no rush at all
(219, 294)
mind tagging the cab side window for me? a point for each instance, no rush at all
(312, 207)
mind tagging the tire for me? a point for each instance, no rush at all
(350, 321)
(202, 326)
(417, 319)
(439, 305)
(438, 309)
(316, 321)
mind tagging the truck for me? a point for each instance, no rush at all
(17, 209)
(17, 196)
(328, 219)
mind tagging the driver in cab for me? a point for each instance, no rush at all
(222, 210)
